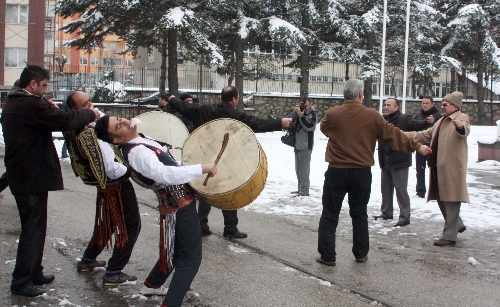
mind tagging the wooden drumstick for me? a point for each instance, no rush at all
(224, 144)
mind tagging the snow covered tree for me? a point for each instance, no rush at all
(149, 24)
(471, 42)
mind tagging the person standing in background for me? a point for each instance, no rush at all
(304, 119)
(430, 114)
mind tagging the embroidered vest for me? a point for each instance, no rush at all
(86, 157)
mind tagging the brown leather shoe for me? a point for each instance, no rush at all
(361, 260)
(443, 242)
(322, 261)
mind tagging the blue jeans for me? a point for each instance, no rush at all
(187, 257)
(357, 183)
(33, 214)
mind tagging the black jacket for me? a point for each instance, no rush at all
(424, 114)
(30, 156)
(185, 121)
(389, 157)
(202, 113)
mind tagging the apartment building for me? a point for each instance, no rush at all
(22, 40)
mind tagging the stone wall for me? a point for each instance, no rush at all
(264, 105)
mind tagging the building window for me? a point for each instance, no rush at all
(16, 57)
(151, 56)
(94, 61)
(83, 60)
(250, 52)
(129, 62)
(16, 13)
(113, 46)
(111, 62)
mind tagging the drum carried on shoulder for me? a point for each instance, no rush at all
(241, 169)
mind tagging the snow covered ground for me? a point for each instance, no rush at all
(482, 212)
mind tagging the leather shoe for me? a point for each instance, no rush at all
(236, 235)
(43, 279)
(319, 259)
(361, 260)
(443, 242)
(462, 229)
(205, 232)
(382, 217)
(29, 291)
(401, 224)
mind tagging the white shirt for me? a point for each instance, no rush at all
(113, 169)
(145, 161)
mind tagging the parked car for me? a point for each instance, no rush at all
(148, 100)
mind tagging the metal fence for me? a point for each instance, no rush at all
(261, 75)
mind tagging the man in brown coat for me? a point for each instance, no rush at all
(352, 130)
(448, 164)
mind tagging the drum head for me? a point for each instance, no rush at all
(237, 165)
(164, 127)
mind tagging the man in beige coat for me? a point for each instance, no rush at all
(448, 164)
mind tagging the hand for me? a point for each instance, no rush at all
(52, 104)
(210, 169)
(458, 124)
(298, 111)
(430, 119)
(424, 150)
(97, 114)
(285, 122)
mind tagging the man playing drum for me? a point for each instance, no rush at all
(156, 168)
(200, 114)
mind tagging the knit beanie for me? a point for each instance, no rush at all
(455, 98)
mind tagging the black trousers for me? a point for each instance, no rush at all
(356, 182)
(420, 162)
(186, 261)
(3, 182)
(230, 217)
(121, 256)
(33, 214)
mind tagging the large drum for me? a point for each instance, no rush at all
(166, 128)
(241, 170)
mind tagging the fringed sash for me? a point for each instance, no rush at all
(110, 218)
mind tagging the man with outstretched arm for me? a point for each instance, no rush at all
(156, 168)
(33, 169)
(352, 130)
(200, 114)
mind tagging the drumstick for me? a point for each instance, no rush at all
(224, 144)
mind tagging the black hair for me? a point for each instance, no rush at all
(17, 83)
(33, 72)
(101, 130)
(164, 96)
(228, 93)
(395, 99)
(428, 97)
(185, 96)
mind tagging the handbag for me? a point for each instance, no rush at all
(289, 138)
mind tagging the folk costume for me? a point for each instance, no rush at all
(99, 164)
(180, 234)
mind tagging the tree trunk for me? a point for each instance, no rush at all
(453, 80)
(346, 70)
(173, 81)
(368, 91)
(304, 59)
(238, 50)
(163, 67)
(480, 90)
